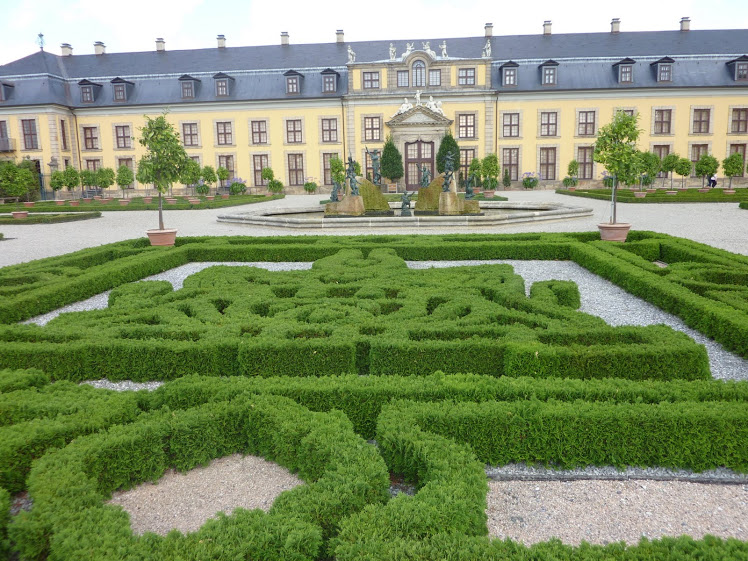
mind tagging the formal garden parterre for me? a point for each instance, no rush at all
(447, 369)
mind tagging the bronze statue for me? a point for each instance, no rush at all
(448, 171)
(469, 187)
(425, 176)
(335, 190)
(351, 176)
(405, 204)
(376, 174)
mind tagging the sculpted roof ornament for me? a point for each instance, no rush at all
(418, 116)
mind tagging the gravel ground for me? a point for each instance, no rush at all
(602, 512)
(184, 501)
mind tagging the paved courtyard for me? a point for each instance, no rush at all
(722, 225)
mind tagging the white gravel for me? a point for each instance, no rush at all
(184, 501)
(602, 512)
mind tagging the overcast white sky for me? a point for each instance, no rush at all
(133, 25)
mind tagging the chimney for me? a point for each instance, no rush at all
(615, 25)
(547, 27)
(99, 48)
(685, 24)
(67, 50)
(339, 36)
(284, 37)
(221, 42)
(489, 29)
(160, 44)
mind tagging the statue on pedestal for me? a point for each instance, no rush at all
(469, 187)
(448, 171)
(425, 176)
(443, 47)
(405, 204)
(408, 49)
(418, 98)
(427, 48)
(487, 48)
(393, 52)
(351, 55)
(351, 176)
(335, 190)
(376, 175)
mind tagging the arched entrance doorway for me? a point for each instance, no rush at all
(417, 155)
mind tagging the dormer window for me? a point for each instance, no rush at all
(625, 70)
(120, 89)
(293, 82)
(419, 74)
(664, 69)
(223, 86)
(188, 86)
(509, 73)
(329, 81)
(88, 91)
(548, 73)
(5, 90)
(739, 68)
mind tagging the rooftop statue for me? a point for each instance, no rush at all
(393, 52)
(408, 49)
(443, 47)
(404, 107)
(427, 48)
(487, 48)
(351, 55)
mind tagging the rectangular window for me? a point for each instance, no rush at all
(63, 135)
(372, 128)
(30, 139)
(584, 157)
(466, 126)
(120, 93)
(664, 72)
(435, 77)
(402, 78)
(466, 76)
(466, 156)
(329, 84)
(662, 121)
(326, 168)
(697, 150)
(629, 112)
(296, 169)
(222, 87)
(87, 94)
(741, 71)
(259, 132)
(371, 80)
(189, 134)
(511, 124)
(223, 133)
(188, 91)
(93, 165)
(549, 124)
(3, 129)
(510, 76)
(260, 162)
(293, 131)
(510, 161)
(228, 163)
(586, 123)
(123, 136)
(329, 130)
(548, 164)
(292, 84)
(549, 75)
(739, 120)
(739, 149)
(90, 138)
(661, 150)
(701, 121)
(626, 73)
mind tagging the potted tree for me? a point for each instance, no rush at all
(571, 181)
(88, 180)
(506, 181)
(208, 177)
(141, 176)
(668, 166)
(104, 179)
(615, 148)
(162, 164)
(732, 166)
(650, 167)
(706, 167)
(124, 179)
(392, 164)
(476, 170)
(238, 186)
(310, 187)
(683, 168)
(223, 174)
(490, 168)
(71, 181)
(15, 182)
(190, 178)
(57, 182)
(275, 186)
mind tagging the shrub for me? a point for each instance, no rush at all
(529, 180)
(310, 187)
(238, 186)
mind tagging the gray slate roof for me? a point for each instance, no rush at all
(258, 71)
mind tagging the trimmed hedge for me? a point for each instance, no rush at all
(70, 520)
(49, 218)
(683, 196)
(13, 380)
(4, 519)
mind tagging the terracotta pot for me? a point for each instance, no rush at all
(59, 203)
(572, 188)
(704, 190)
(488, 194)
(147, 200)
(164, 237)
(28, 204)
(19, 214)
(86, 199)
(96, 197)
(210, 197)
(671, 192)
(728, 191)
(171, 201)
(104, 201)
(194, 201)
(640, 195)
(651, 190)
(225, 196)
(614, 232)
(268, 194)
(124, 202)
(75, 203)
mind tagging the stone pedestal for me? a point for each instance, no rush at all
(350, 206)
(449, 204)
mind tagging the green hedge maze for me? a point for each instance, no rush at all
(349, 372)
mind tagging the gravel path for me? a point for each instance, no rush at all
(602, 512)
(184, 501)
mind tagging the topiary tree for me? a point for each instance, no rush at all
(572, 170)
(57, 181)
(337, 172)
(164, 159)
(448, 144)
(105, 178)
(476, 170)
(310, 187)
(706, 167)
(491, 170)
(33, 183)
(392, 161)
(650, 167)
(683, 168)
(668, 166)
(615, 148)
(274, 185)
(223, 174)
(71, 178)
(209, 177)
(124, 178)
(15, 181)
(732, 166)
(190, 175)
(506, 180)
(88, 179)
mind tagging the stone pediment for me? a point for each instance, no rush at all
(419, 115)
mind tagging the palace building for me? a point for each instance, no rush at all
(536, 101)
